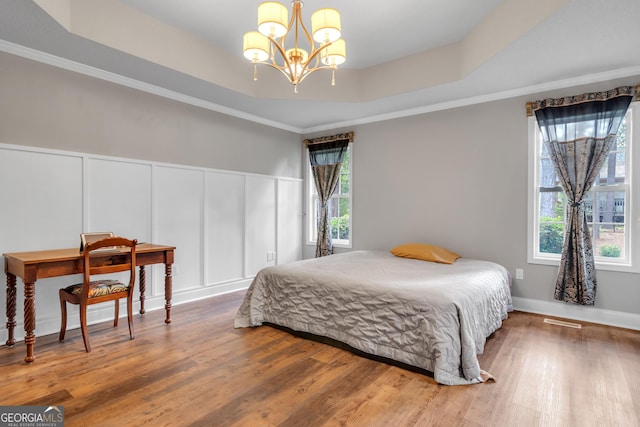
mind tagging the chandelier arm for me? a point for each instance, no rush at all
(306, 32)
(289, 26)
(308, 73)
(297, 14)
(281, 51)
(281, 69)
(314, 53)
(306, 70)
(312, 70)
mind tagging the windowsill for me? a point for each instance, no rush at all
(335, 245)
(605, 266)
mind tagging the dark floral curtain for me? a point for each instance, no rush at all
(579, 132)
(326, 155)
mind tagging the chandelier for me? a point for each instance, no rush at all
(267, 45)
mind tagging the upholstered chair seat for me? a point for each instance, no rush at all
(98, 288)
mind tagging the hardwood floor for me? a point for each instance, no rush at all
(201, 371)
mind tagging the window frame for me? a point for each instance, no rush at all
(631, 263)
(310, 225)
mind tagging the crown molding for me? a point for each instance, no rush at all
(98, 73)
(496, 96)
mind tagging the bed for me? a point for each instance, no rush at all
(425, 314)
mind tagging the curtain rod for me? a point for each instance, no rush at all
(330, 138)
(530, 113)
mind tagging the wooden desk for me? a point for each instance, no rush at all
(31, 266)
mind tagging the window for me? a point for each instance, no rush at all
(339, 206)
(610, 205)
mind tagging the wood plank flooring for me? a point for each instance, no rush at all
(201, 371)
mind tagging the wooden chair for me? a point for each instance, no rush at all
(93, 292)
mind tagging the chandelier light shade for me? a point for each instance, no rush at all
(335, 54)
(285, 44)
(325, 25)
(273, 19)
(256, 46)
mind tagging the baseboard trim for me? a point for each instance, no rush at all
(50, 325)
(104, 312)
(581, 313)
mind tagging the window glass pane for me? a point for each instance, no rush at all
(551, 206)
(606, 206)
(551, 231)
(551, 237)
(588, 206)
(345, 174)
(339, 218)
(621, 140)
(608, 240)
(548, 176)
(613, 170)
(607, 232)
(314, 217)
(544, 153)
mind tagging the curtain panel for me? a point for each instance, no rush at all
(578, 132)
(326, 155)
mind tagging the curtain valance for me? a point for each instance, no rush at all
(330, 138)
(633, 91)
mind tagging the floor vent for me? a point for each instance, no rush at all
(562, 323)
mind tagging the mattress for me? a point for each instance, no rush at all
(429, 315)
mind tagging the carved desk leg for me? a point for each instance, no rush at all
(29, 319)
(168, 289)
(143, 288)
(11, 308)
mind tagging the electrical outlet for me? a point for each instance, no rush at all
(519, 273)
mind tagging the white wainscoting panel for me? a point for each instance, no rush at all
(289, 220)
(179, 207)
(261, 222)
(42, 208)
(224, 225)
(119, 198)
(41, 197)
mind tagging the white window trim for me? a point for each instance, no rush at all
(632, 211)
(310, 189)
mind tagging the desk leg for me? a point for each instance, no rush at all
(11, 308)
(143, 287)
(29, 319)
(168, 289)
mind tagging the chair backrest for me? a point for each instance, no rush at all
(120, 260)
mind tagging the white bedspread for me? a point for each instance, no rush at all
(433, 316)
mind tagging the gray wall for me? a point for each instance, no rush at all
(458, 178)
(45, 106)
